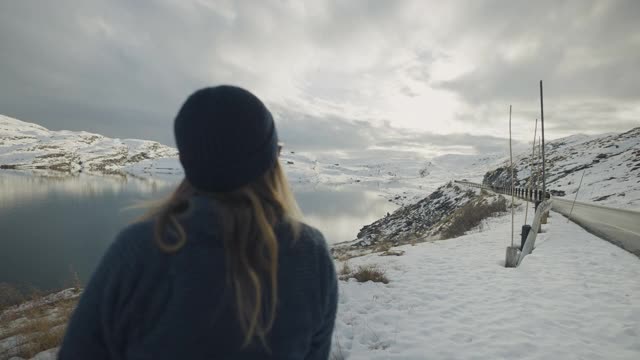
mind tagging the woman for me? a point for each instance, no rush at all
(222, 270)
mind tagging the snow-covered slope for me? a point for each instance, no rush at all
(429, 219)
(26, 146)
(610, 163)
(575, 297)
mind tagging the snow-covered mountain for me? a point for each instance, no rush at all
(26, 146)
(610, 164)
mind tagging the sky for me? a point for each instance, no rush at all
(428, 76)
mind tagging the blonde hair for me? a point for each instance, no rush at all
(248, 216)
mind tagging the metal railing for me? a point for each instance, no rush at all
(621, 227)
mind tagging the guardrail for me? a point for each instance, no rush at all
(521, 193)
(621, 227)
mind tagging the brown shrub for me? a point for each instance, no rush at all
(366, 273)
(43, 327)
(382, 247)
(471, 215)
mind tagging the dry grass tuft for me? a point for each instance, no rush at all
(383, 247)
(38, 328)
(392, 253)
(366, 273)
(345, 269)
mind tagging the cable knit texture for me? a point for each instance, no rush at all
(144, 304)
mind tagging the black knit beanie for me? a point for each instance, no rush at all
(226, 138)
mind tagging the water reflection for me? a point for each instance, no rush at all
(51, 226)
(20, 187)
(340, 212)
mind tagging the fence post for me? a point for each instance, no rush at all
(524, 234)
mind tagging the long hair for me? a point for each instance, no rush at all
(248, 216)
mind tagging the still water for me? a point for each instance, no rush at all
(51, 227)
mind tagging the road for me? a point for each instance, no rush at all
(619, 226)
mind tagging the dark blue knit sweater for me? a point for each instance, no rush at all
(144, 304)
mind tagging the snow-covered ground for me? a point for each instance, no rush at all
(575, 297)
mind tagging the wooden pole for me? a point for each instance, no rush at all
(544, 180)
(512, 179)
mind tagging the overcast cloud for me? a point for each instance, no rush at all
(347, 74)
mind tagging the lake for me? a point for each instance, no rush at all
(52, 227)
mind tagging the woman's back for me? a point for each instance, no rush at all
(220, 270)
(152, 305)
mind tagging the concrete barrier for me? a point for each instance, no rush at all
(530, 243)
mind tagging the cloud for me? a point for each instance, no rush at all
(342, 68)
(586, 51)
(301, 131)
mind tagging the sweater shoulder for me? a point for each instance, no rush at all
(134, 241)
(311, 237)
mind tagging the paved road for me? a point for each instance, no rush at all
(619, 226)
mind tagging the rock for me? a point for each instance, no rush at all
(50, 354)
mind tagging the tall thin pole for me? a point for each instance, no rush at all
(544, 180)
(512, 180)
(539, 174)
(576, 198)
(533, 154)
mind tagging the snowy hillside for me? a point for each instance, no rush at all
(432, 218)
(610, 163)
(26, 146)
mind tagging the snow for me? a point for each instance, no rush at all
(574, 297)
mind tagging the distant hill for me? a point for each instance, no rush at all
(27, 146)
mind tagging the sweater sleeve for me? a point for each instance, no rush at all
(87, 334)
(321, 341)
